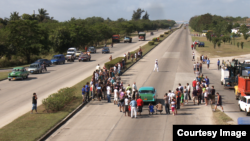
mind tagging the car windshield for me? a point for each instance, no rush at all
(69, 54)
(105, 48)
(15, 70)
(91, 48)
(33, 66)
(70, 50)
(55, 57)
(146, 91)
(248, 101)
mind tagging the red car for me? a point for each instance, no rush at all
(84, 57)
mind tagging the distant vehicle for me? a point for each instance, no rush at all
(116, 39)
(148, 94)
(201, 44)
(142, 36)
(58, 59)
(92, 50)
(84, 57)
(105, 50)
(127, 40)
(78, 53)
(35, 68)
(244, 104)
(47, 62)
(151, 33)
(69, 57)
(71, 50)
(18, 73)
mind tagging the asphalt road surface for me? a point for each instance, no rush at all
(16, 96)
(102, 121)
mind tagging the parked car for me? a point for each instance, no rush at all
(244, 104)
(18, 73)
(201, 44)
(148, 94)
(92, 50)
(58, 59)
(84, 57)
(127, 40)
(78, 53)
(40, 61)
(105, 50)
(71, 50)
(35, 68)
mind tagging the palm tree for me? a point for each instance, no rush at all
(42, 14)
(14, 16)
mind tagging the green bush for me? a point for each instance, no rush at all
(161, 35)
(57, 101)
(154, 39)
(151, 42)
(15, 61)
(113, 62)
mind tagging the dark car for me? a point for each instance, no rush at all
(84, 57)
(58, 59)
(105, 50)
(40, 61)
(92, 49)
(201, 44)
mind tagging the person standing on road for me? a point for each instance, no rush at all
(134, 89)
(213, 95)
(115, 96)
(133, 105)
(197, 74)
(194, 84)
(126, 104)
(185, 91)
(208, 63)
(156, 65)
(98, 68)
(194, 95)
(194, 66)
(87, 91)
(219, 102)
(34, 103)
(139, 102)
(173, 105)
(83, 94)
(108, 93)
(159, 107)
(189, 90)
(166, 100)
(201, 67)
(193, 56)
(192, 46)
(218, 64)
(207, 80)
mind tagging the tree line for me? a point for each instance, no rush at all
(28, 35)
(220, 27)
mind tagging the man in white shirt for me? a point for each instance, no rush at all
(172, 95)
(135, 57)
(194, 66)
(115, 96)
(169, 96)
(97, 68)
(108, 93)
(193, 57)
(156, 65)
(114, 69)
(134, 88)
(96, 76)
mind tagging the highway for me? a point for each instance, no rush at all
(16, 96)
(102, 121)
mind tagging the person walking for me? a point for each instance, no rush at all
(159, 107)
(178, 98)
(83, 94)
(135, 57)
(207, 81)
(198, 66)
(189, 90)
(208, 63)
(219, 102)
(139, 102)
(194, 84)
(121, 103)
(166, 100)
(193, 56)
(218, 64)
(199, 92)
(34, 103)
(133, 105)
(156, 65)
(110, 58)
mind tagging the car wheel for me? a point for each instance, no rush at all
(221, 83)
(9, 79)
(246, 113)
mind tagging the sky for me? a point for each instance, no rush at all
(178, 10)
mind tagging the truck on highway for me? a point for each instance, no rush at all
(142, 36)
(229, 70)
(116, 39)
(127, 39)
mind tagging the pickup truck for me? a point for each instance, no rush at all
(127, 40)
(244, 104)
(84, 57)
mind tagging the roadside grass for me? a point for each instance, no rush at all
(220, 118)
(4, 74)
(224, 50)
(33, 126)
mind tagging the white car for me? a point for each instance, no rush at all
(244, 104)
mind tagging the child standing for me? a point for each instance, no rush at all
(151, 108)
(173, 106)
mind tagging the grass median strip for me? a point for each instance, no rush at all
(33, 126)
(4, 74)
(220, 118)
